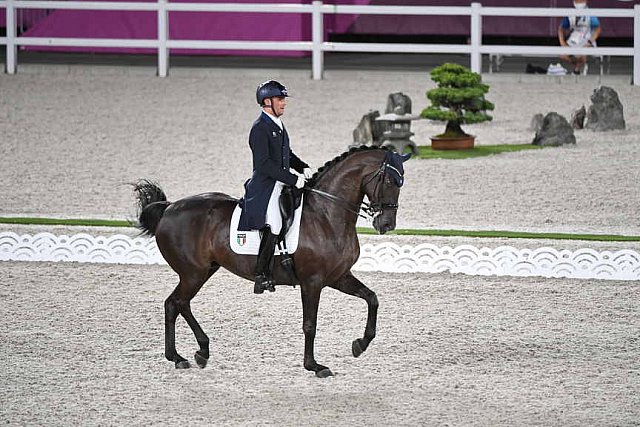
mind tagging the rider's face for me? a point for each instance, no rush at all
(279, 104)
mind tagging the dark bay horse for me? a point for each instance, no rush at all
(192, 235)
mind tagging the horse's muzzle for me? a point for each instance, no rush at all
(382, 223)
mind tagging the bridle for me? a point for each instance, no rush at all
(371, 209)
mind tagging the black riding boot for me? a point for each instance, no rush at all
(264, 279)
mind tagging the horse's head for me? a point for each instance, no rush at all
(382, 188)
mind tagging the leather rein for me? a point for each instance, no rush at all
(371, 209)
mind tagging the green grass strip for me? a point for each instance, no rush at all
(361, 230)
(63, 221)
(425, 152)
(506, 234)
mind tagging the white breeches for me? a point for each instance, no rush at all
(274, 218)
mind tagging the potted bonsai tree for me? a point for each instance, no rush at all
(458, 99)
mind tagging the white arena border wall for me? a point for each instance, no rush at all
(385, 257)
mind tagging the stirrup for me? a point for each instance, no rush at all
(263, 283)
(287, 264)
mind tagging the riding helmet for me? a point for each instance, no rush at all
(270, 89)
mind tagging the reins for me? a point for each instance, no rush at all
(351, 207)
(371, 209)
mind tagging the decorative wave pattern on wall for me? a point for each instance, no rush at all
(387, 257)
(501, 261)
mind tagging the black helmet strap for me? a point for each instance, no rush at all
(276, 115)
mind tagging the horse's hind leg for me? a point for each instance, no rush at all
(352, 286)
(310, 301)
(179, 302)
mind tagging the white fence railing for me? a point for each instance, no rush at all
(317, 46)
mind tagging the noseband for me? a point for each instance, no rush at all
(371, 209)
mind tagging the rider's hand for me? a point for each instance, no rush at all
(307, 172)
(300, 182)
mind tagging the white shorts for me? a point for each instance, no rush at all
(274, 218)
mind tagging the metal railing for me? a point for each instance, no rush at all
(317, 46)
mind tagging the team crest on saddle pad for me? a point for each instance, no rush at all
(248, 242)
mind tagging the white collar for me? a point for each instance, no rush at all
(276, 120)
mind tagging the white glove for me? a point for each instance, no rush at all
(307, 172)
(300, 182)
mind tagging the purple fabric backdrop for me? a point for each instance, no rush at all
(280, 27)
(493, 25)
(24, 17)
(187, 26)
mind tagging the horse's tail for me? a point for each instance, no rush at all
(152, 203)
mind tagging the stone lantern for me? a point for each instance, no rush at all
(392, 130)
(397, 134)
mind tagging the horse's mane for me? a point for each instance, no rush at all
(331, 163)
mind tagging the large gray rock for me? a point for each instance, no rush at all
(577, 118)
(606, 112)
(555, 131)
(398, 103)
(536, 122)
(368, 130)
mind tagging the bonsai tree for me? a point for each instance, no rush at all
(458, 99)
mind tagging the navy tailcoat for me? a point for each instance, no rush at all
(272, 158)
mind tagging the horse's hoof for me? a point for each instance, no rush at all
(356, 349)
(324, 373)
(200, 360)
(182, 364)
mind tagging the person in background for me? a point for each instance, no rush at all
(578, 31)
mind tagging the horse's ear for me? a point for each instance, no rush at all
(405, 157)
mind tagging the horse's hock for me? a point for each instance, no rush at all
(392, 130)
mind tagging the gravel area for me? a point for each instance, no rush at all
(73, 136)
(83, 343)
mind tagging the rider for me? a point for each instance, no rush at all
(272, 159)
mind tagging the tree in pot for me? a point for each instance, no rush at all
(458, 99)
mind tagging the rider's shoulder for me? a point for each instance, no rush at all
(261, 121)
(260, 129)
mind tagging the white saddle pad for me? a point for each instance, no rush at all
(248, 242)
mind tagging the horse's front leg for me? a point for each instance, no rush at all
(310, 301)
(352, 286)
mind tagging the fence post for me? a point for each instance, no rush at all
(163, 32)
(476, 37)
(317, 35)
(636, 45)
(12, 51)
